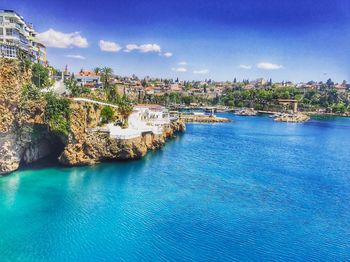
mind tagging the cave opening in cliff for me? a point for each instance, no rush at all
(48, 153)
(58, 147)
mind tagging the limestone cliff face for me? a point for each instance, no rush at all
(86, 148)
(23, 136)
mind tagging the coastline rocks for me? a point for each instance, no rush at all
(203, 119)
(23, 138)
(25, 146)
(9, 154)
(96, 147)
(84, 148)
(292, 118)
(246, 112)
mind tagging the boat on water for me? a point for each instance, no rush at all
(198, 113)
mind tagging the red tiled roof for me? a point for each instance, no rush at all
(87, 73)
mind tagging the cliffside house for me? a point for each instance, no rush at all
(152, 114)
(145, 118)
(341, 88)
(16, 34)
(88, 79)
(149, 90)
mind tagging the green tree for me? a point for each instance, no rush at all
(113, 95)
(75, 88)
(125, 110)
(40, 76)
(57, 113)
(31, 92)
(106, 76)
(144, 82)
(97, 70)
(330, 83)
(107, 114)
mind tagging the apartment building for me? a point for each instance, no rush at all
(16, 34)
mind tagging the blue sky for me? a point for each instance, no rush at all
(296, 40)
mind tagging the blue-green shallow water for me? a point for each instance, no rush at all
(250, 190)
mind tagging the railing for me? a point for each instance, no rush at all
(124, 136)
(94, 102)
(97, 129)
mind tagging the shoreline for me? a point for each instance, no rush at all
(116, 150)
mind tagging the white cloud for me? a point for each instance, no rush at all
(182, 63)
(201, 72)
(179, 69)
(245, 67)
(52, 38)
(108, 46)
(269, 66)
(143, 48)
(76, 57)
(168, 54)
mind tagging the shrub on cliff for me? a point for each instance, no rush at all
(57, 113)
(31, 92)
(75, 88)
(107, 114)
(40, 76)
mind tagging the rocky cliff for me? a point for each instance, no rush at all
(88, 148)
(25, 136)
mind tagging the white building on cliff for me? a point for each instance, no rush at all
(16, 34)
(145, 118)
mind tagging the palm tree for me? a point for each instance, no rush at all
(97, 70)
(106, 75)
(125, 110)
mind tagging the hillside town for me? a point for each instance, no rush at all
(18, 39)
(260, 94)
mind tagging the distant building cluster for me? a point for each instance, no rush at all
(18, 35)
(136, 88)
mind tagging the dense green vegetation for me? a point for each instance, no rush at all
(107, 114)
(309, 100)
(40, 79)
(176, 98)
(75, 88)
(124, 105)
(57, 113)
(31, 92)
(327, 97)
(41, 75)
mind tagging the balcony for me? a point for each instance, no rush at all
(12, 25)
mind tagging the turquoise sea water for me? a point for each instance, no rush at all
(250, 190)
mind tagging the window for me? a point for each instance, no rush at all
(1, 31)
(1, 19)
(8, 31)
(8, 51)
(23, 39)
